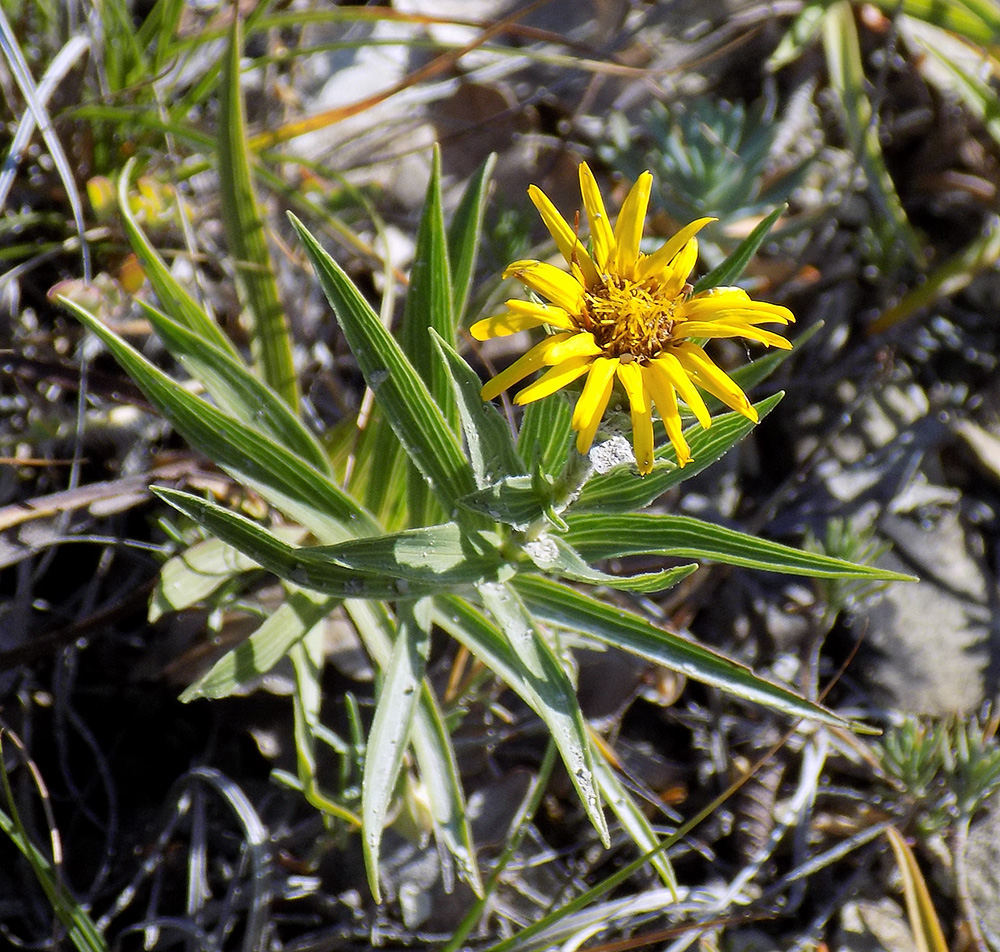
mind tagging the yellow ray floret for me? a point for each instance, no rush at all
(621, 317)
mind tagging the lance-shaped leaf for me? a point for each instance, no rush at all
(487, 436)
(404, 398)
(544, 438)
(192, 576)
(431, 744)
(173, 296)
(444, 553)
(278, 634)
(600, 536)
(555, 556)
(516, 501)
(620, 491)
(465, 234)
(406, 565)
(390, 730)
(236, 390)
(270, 340)
(562, 710)
(429, 305)
(286, 481)
(559, 605)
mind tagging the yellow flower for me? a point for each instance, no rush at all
(620, 314)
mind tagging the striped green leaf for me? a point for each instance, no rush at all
(174, 297)
(387, 739)
(287, 482)
(729, 271)
(555, 556)
(559, 605)
(237, 391)
(403, 565)
(544, 438)
(431, 744)
(465, 234)
(560, 708)
(404, 398)
(487, 436)
(297, 615)
(600, 536)
(270, 340)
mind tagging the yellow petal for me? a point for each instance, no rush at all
(730, 302)
(536, 358)
(560, 288)
(656, 262)
(628, 227)
(601, 232)
(554, 379)
(666, 405)
(675, 275)
(593, 401)
(709, 377)
(642, 421)
(668, 368)
(567, 240)
(501, 325)
(580, 344)
(714, 329)
(546, 313)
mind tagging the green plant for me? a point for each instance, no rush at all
(492, 551)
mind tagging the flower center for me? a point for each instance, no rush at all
(629, 319)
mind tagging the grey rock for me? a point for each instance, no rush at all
(935, 640)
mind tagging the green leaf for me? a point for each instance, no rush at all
(465, 234)
(599, 536)
(440, 774)
(429, 306)
(192, 576)
(729, 271)
(307, 657)
(431, 744)
(444, 553)
(387, 740)
(515, 502)
(976, 20)
(487, 436)
(620, 490)
(286, 481)
(561, 710)
(404, 398)
(269, 336)
(558, 605)
(801, 34)
(404, 565)
(544, 439)
(297, 615)
(237, 391)
(173, 296)
(555, 556)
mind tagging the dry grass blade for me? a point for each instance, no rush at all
(924, 922)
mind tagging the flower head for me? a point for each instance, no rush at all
(618, 314)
